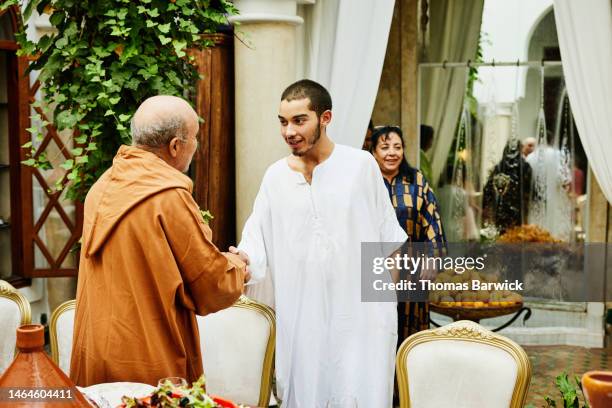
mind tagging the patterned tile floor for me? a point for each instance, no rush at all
(549, 361)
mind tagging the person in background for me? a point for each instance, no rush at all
(457, 211)
(579, 180)
(368, 137)
(507, 192)
(427, 137)
(417, 212)
(529, 145)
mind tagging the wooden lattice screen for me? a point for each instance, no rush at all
(52, 224)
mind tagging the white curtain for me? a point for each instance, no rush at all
(454, 30)
(345, 42)
(584, 29)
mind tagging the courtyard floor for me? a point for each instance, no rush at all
(549, 361)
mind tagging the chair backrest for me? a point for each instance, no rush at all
(14, 311)
(61, 331)
(238, 352)
(462, 365)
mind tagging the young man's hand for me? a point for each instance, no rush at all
(244, 258)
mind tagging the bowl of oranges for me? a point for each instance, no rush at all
(472, 296)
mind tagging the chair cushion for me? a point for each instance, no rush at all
(65, 330)
(10, 320)
(233, 343)
(460, 374)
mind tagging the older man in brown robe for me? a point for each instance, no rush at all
(148, 265)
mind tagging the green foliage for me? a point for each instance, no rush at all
(106, 57)
(568, 391)
(207, 216)
(473, 75)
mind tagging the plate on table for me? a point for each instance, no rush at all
(109, 394)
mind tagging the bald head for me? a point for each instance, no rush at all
(167, 126)
(161, 118)
(529, 145)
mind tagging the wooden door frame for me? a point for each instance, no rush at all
(213, 168)
(18, 118)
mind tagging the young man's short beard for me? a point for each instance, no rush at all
(314, 141)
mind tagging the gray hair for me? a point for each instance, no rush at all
(160, 132)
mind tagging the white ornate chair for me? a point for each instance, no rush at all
(238, 352)
(14, 311)
(61, 331)
(461, 365)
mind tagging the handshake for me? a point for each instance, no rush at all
(244, 257)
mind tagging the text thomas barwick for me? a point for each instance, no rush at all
(425, 284)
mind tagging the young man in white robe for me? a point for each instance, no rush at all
(314, 209)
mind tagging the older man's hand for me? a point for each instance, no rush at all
(244, 257)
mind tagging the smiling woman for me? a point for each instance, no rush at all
(416, 209)
(389, 151)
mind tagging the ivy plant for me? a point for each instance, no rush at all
(104, 59)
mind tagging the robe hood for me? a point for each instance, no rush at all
(134, 176)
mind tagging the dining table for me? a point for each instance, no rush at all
(108, 395)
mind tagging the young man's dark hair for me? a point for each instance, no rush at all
(320, 100)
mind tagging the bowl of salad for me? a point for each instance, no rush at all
(168, 395)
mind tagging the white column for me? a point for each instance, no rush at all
(265, 55)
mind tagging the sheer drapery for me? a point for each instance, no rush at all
(345, 42)
(454, 31)
(584, 29)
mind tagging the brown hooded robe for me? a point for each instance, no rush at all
(147, 267)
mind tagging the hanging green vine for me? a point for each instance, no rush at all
(105, 58)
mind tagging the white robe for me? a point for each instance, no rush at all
(308, 236)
